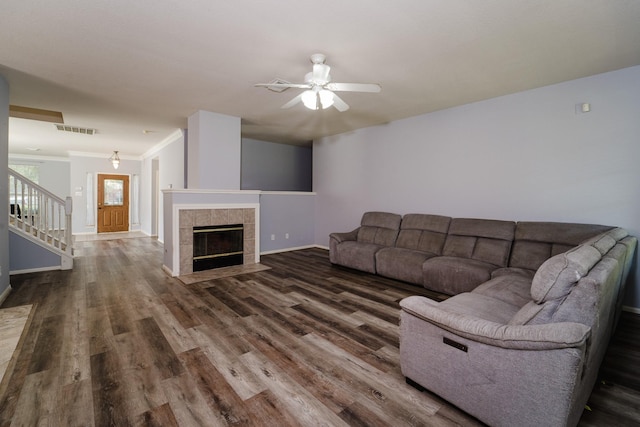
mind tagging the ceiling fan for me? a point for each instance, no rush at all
(320, 89)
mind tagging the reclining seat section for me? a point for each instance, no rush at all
(421, 237)
(357, 249)
(474, 248)
(530, 366)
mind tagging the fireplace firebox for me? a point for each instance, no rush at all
(217, 246)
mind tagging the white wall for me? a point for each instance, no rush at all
(169, 159)
(171, 174)
(54, 173)
(527, 156)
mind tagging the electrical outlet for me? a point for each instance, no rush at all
(273, 237)
(286, 236)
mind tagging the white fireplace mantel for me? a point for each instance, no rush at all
(199, 204)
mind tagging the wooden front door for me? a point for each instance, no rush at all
(113, 203)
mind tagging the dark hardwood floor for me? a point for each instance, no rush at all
(116, 342)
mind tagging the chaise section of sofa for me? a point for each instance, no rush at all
(421, 237)
(473, 249)
(509, 359)
(357, 249)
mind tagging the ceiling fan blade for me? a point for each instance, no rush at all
(354, 87)
(293, 102)
(339, 103)
(284, 85)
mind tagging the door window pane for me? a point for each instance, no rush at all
(113, 192)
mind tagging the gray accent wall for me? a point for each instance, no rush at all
(213, 151)
(271, 166)
(529, 156)
(286, 220)
(27, 256)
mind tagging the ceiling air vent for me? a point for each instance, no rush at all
(76, 129)
(278, 82)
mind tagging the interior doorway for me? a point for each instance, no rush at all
(113, 203)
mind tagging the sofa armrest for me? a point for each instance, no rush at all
(519, 337)
(343, 237)
(336, 238)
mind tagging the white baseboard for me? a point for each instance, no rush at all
(635, 310)
(36, 270)
(277, 251)
(168, 271)
(5, 294)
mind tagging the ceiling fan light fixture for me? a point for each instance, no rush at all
(319, 88)
(326, 98)
(310, 99)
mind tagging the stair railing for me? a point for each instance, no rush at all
(38, 212)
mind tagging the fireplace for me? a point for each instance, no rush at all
(217, 246)
(192, 217)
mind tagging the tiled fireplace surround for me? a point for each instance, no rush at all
(189, 218)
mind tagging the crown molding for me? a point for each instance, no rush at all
(174, 136)
(36, 158)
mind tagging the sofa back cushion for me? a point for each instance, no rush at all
(570, 287)
(605, 241)
(380, 228)
(484, 240)
(536, 242)
(558, 275)
(423, 232)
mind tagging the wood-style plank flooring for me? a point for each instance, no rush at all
(116, 342)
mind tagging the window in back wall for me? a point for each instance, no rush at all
(31, 172)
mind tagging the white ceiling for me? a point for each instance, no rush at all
(124, 66)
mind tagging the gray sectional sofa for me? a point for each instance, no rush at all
(533, 307)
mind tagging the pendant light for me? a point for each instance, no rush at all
(115, 160)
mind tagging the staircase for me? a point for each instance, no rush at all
(41, 217)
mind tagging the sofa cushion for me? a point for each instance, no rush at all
(360, 256)
(535, 242)
(480, 306)
(568, 234)
(483, 240)
(401, 264)
(580, 303)
(512, 289)
(423, 232)
(605, 241)
(530, 255)
(453, 275)
(380, 228)
(556, 276)
(513, 271)
(535, 314)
